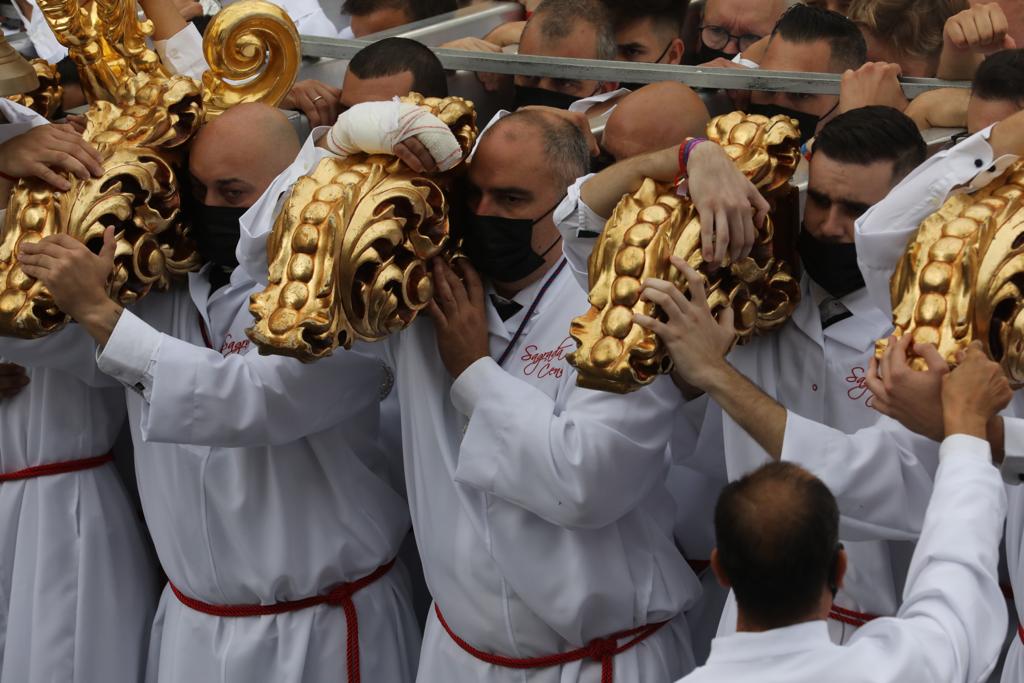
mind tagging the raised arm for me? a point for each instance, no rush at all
(952, 623)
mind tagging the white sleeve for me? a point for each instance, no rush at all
(883, 232)
(182, 53)
(195, 395)
(580, 227)
(69, 350)
(953, 621)
(585, 466)
(881, 476)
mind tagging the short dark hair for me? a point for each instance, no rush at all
(414, 9)
(777, 535)
(392, 56)
(665, 15)
(565, 149)
(807, 24)
(870, 134)
(557, 18)
(1001, 76)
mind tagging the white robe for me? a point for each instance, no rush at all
(879, 472)
(308, 15)
(951, 624)
(262, 482)
(882, 235)
(539, 508)
(78, 585)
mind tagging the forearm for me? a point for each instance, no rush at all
(166, 18)
(761, 416)
(605, 190)
(100, 320)
(957, 65)
(1008, 136)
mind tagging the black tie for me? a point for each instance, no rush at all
(832, 311)
(505, 308)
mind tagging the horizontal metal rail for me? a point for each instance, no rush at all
(628, 72)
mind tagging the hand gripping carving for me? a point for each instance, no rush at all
(46, 99)
(654, 223)
(349, 253)
(962, 276)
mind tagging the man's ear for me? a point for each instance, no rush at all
(716, 567)
(676, 51)
(841, 566)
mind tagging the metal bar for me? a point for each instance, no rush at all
(628, 72)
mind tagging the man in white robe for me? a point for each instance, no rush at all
(800, 386)
(260, 477)
(882, 235)
(777, 532)
(78, 584)
(540, 508)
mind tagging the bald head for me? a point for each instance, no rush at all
(236, 156)
(652, 118)
(777, 536)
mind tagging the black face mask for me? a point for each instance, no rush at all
(830, 264)
(502, 248)
(637, 86)
(706, 54)
(216, 234)
(538, 97)
(808, 122)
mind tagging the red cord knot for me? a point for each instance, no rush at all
(339, 596)
(600, 649)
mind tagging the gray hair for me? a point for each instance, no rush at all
(565, 147)
(558, 17)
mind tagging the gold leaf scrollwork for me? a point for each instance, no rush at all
(141, 143)
(961, 277)
(253, 51)
(47, 98)
(350, 249)
(615, 354)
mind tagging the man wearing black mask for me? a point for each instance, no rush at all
(809, 39)
(578, 29)
(798, 394)
(259, 476)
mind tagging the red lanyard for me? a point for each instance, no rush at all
(530, 312)
(204, 331)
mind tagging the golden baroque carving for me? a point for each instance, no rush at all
(47, 98)
(350, 250)
(962, 277)
(142, 144)
(615, 354)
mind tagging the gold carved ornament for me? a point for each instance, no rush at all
(615, 354)
(140, 120)
(350, 250)
(46, 99)
(962, 277)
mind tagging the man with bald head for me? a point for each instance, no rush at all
(260, 477)
(652, 118)
(544, 549)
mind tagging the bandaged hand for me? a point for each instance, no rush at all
(407, 131)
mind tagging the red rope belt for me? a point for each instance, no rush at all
(339, 596)
(51, 468)
(601, 650)
(848, 616)
(1020, 632)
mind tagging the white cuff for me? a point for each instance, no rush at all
(474, 383)
(965, 446)
(182, 53)
(130, 353)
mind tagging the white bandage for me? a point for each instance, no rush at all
(377, 127)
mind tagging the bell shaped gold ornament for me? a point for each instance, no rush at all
(16, 74)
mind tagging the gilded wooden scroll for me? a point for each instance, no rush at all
(47, 98)
(615, 354)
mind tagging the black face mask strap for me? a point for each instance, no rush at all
(545, 215)
(664, 52)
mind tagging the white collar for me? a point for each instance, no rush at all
(749, 646)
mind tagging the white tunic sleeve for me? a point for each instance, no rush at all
(182, 53)
(579, 226)
(880, 475)
(197, 396)
(883, 232)
(68, 350)
(585, 466)
(952, 623)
